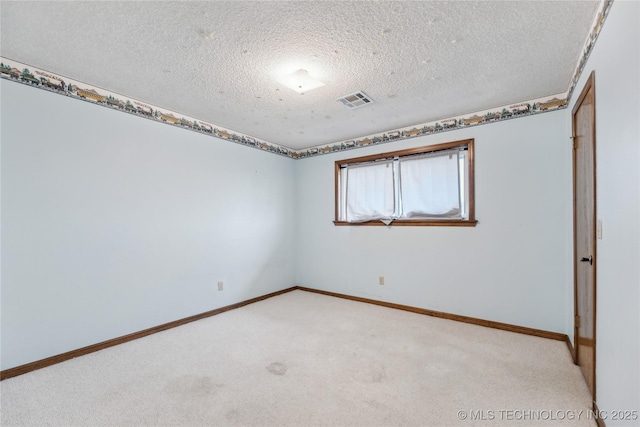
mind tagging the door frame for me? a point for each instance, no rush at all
(589, 85)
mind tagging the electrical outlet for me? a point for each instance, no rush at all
(220, 286)
(381, 280)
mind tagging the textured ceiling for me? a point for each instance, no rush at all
(218, 61)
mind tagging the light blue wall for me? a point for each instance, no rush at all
(112, 224)
(616, 62)
(513, 267)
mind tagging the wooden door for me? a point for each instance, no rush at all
(584, 232)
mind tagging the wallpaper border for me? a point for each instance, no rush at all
(35, 77)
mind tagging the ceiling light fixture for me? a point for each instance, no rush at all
(300, 81)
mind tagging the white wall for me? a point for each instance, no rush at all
(512, 267)
(112, 224)
(616, 61)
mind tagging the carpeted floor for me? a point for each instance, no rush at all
(304, 359)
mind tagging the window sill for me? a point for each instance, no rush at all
(415, 223)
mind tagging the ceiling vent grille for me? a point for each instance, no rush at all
(355, 100)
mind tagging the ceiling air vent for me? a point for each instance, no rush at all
(355, 100)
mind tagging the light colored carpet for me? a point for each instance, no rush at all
(303, 359)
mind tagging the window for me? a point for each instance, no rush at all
(431, 185)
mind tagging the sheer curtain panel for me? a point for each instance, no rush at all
(370, 192)
(430, 186)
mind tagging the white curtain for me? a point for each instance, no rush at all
(429, 186)
(370, 192)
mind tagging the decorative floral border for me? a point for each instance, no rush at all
(32, 76)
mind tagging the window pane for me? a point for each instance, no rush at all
(370, 192)
(429, 186)
(424, 186)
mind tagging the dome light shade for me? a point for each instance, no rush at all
(300, 81)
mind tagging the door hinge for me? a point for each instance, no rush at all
(577, 320)
(574, 142)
